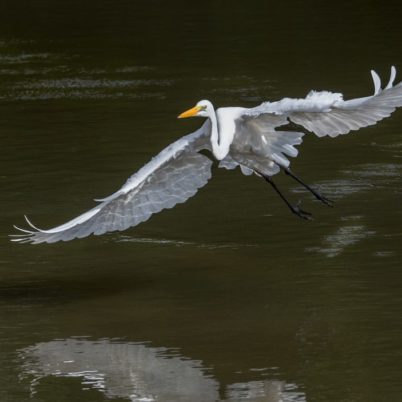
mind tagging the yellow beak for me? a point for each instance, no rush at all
(189, 113)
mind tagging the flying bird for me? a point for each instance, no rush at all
(254, 139)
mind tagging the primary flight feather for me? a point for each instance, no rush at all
(250, 138)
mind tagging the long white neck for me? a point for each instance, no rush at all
(220, 147)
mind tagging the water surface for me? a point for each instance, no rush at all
(227, 297)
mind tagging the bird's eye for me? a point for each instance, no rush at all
(203, 108)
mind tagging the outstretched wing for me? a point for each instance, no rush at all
(326, 113)
(171, 177)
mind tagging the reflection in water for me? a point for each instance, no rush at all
(141, 373)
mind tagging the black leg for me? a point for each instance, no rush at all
(294, 208)
(316, 194)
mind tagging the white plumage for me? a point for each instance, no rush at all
(236, 136)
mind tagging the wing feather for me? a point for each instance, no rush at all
(171, 177)
(258, 146)
(325, 113)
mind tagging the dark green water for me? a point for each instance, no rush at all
(227, 297)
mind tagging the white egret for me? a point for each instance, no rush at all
(237, 136)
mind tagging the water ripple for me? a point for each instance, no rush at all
(345, 236)
(21, 78)
(181, 243)
(361, 178)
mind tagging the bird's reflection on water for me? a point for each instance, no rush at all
(140, 372)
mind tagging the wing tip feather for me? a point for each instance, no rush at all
(376, 81)
(26, 235)
(391, 78)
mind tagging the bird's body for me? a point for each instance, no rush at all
(236, 136)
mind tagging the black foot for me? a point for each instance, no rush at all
(294, 208)
(316, 194)
(323, 199)
(301, 213)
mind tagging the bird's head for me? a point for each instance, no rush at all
(203, 108)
